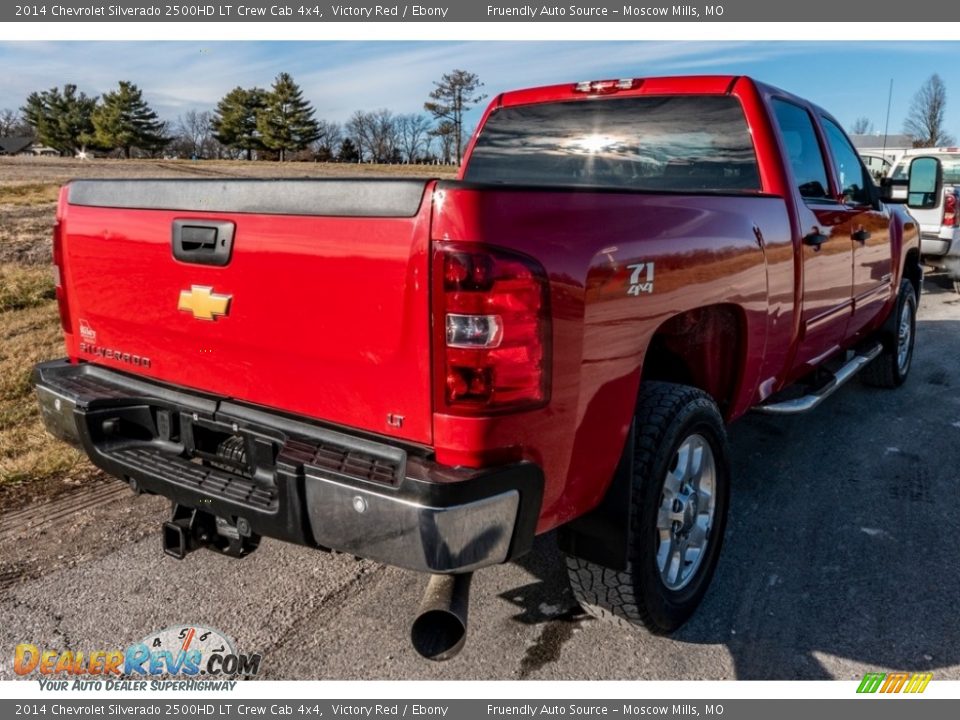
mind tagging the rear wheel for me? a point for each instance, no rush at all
(891, 367)
(678, 514)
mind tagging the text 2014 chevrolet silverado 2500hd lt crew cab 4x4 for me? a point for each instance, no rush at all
(430, 374)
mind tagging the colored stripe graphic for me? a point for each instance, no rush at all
(918, 683)
(895, 682)
(871, 682)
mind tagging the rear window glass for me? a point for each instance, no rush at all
(680, 144)
(951, 170)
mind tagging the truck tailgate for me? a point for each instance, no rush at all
(321, 308)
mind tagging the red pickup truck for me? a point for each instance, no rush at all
(431, 373)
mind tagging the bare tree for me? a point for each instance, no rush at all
(13, 124)
(443, 134)
(414, 136)
(375, 135)
(384, 137)
(8, 120)
(861, 126)
(358, 129)
(193, 135)
(328, 141)
(926, 117)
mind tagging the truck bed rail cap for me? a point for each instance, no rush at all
(387, 197)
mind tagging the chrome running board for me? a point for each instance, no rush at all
(809, 402)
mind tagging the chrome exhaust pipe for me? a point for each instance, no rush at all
(440, 629)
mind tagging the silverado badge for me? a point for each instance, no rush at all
(203, 302)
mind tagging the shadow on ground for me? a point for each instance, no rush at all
(843, 534)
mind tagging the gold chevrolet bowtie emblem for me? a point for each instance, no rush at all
(203, 302)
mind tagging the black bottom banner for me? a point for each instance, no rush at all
(875, 708)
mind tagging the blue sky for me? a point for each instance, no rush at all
(850, 79)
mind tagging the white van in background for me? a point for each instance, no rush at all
(878, 165)
(939, 214)
(880, 153)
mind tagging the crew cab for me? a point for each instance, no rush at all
(431, 373)
(935, 208)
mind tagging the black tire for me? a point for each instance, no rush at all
(890, 369)
(667, 416)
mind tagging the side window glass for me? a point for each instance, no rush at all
(854, 183)
(803, 150)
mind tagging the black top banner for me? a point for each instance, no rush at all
(590, 11)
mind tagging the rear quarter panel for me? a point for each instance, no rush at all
(705, 250)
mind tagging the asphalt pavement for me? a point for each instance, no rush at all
(841, 557)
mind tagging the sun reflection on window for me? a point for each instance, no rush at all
(594, 143)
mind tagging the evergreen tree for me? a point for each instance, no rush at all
(234, 122)
(348, 152)
(61, 120)
(286, 123)
(453, 95)
(124, 120)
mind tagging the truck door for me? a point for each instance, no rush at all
(867, 225)
(827, 252)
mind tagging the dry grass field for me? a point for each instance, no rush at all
(32, 464)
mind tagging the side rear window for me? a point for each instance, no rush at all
(803, 149)
(676, 143)
(854, 180)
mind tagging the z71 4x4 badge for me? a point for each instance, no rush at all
(641, 279)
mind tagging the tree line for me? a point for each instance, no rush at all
(278, 123)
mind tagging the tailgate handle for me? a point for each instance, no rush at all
(203, 242)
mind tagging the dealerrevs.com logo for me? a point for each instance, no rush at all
(203, 657)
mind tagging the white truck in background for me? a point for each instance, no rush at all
(937, 212)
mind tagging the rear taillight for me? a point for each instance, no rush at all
(492, 329)
(58, 278)
(950, 208)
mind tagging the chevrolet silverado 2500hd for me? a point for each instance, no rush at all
(431, 373)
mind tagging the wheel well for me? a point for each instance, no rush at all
(913, 271)
(701, 347)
